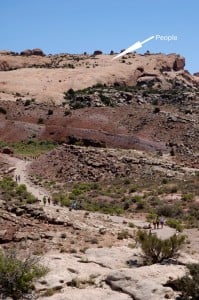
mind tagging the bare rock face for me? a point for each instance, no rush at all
(145, 283)
(179, 63)
(196, 74)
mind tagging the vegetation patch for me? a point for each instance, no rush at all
(17, 276)
(11, 191)
(30, 147)
(156, 250)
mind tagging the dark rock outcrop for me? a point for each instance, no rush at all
(97, 52)
(179, 63)
(4, 66)
(35, 51)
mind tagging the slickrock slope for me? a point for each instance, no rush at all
(45, 78)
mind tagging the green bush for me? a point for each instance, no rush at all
(17, 276)
(187, 197)
(173, 223)
(170, 210)
(189, 284)
(12, 191)
(124, 234)
(194, 210)
(156, 250)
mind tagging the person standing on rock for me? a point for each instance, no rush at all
(157, 222)
(19, 178)
(162, 221)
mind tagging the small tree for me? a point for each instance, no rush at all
(188, 285)
(17, 276)
(156, 250)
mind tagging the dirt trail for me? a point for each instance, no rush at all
(21, 168)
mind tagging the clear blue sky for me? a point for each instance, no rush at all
(75, 26)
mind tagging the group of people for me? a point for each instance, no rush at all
(46, 200)
(17, 178)
(158, 222)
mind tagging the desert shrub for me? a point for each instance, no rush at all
(173, 223)
(17, 276)
(187, 197)
(194, 210)
(156, 250)
(106, 100)
(170, 210)
(156, 110)
(61, 198)
(27, 102)
(17, 192)
(165, 180)
(133, 189)
(50, 112)
(188, 285)
(136, 199)
(141, 205)
(131, 225)
(3, 111)
(40, 121)
(70, 94)
(124, 234)
(127, 181)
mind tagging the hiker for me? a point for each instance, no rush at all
(162, 221)
(19, 178)
(48, 200)
(154, 223)
(44, 200)
(16, 178)
(157, 222)
(73, 205)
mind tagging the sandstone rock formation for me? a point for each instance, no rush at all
(29, 52)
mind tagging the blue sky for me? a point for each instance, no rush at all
(75, 26)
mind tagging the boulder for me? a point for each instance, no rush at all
(27, 52)
(97, 52)
(37, 51)
(30, 52)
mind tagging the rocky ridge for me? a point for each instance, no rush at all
(46, 78)
(74, 163)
